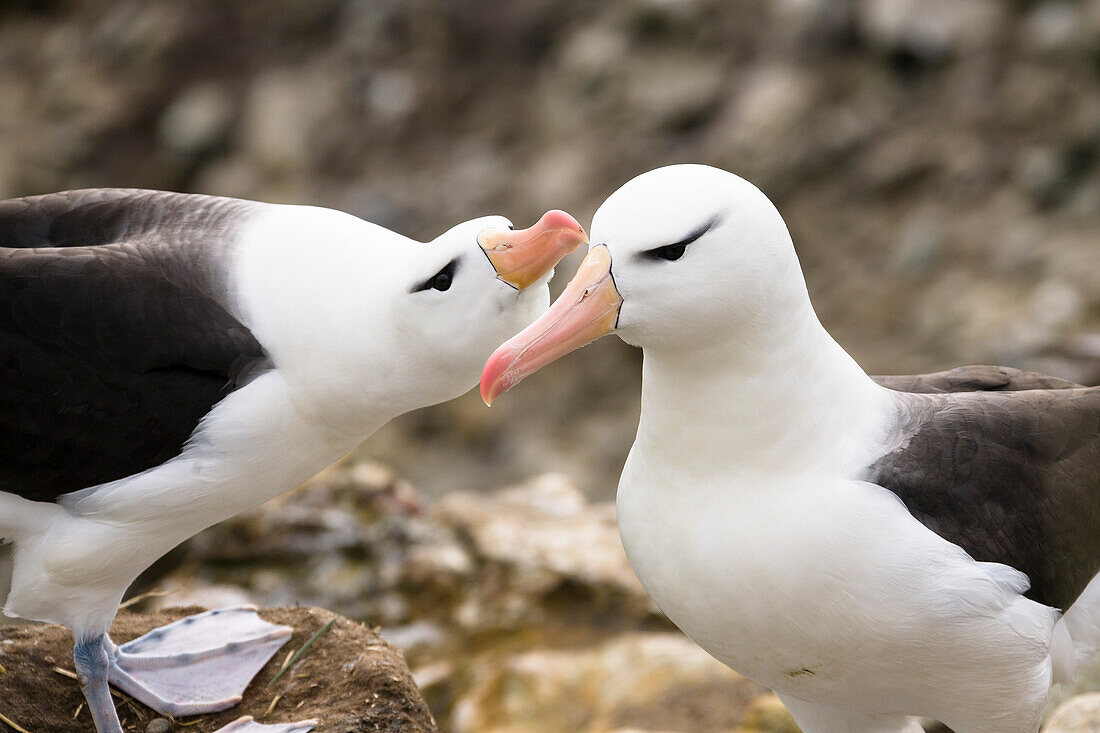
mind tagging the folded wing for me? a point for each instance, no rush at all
(1008, 472)
(116, 332)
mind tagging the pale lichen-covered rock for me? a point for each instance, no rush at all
(654, 681)
(547, 532)
(766, 714)
(1079, 714)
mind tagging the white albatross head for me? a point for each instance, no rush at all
(457, 296)
(367, 323)
(685, 257)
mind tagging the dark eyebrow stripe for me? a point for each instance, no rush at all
(697, 233)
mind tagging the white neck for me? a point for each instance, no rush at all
(782, 398)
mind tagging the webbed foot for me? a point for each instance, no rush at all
(199, 664)
(248, 725)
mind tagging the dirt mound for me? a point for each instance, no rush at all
(349, 679)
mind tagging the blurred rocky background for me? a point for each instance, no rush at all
(937, 162)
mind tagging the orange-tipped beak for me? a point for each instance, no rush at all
(588, 309)
(522, 258)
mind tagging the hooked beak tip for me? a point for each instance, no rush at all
(522, 258)
(564, 221)
(492, 376)
(587, 309)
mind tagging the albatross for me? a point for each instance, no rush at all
(872, 549)
(169, 360)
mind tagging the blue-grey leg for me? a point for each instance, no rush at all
(90, 657)
(199, 664)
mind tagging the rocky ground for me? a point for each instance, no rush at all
(1079, 715)
(349, 679)
(517, 610)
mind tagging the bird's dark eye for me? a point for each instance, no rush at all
(441, 280)
(674, 251)
(670, 252)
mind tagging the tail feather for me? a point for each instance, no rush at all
(1081, 624)
(20, 517)
(5, 574)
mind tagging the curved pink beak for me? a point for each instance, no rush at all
(523, 257)
(586, 310)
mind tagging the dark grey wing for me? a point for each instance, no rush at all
(115, 338)
(973, 379)
(1011, 477)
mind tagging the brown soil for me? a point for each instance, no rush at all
(349, 679)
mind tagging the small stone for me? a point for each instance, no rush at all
(158, 725)
(392, 94)
(441, 559)
(415, 636)
(1055, 26)
(766, 714)
(774, 99)
(1041, 172)
(438, 674)
(372, 475)
(1055, 304)
(592, 52)
(197, 119)
(205, 596)
(929, 29)
(920, 242)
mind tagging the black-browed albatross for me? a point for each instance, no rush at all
(170, 360)
(872, 550)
